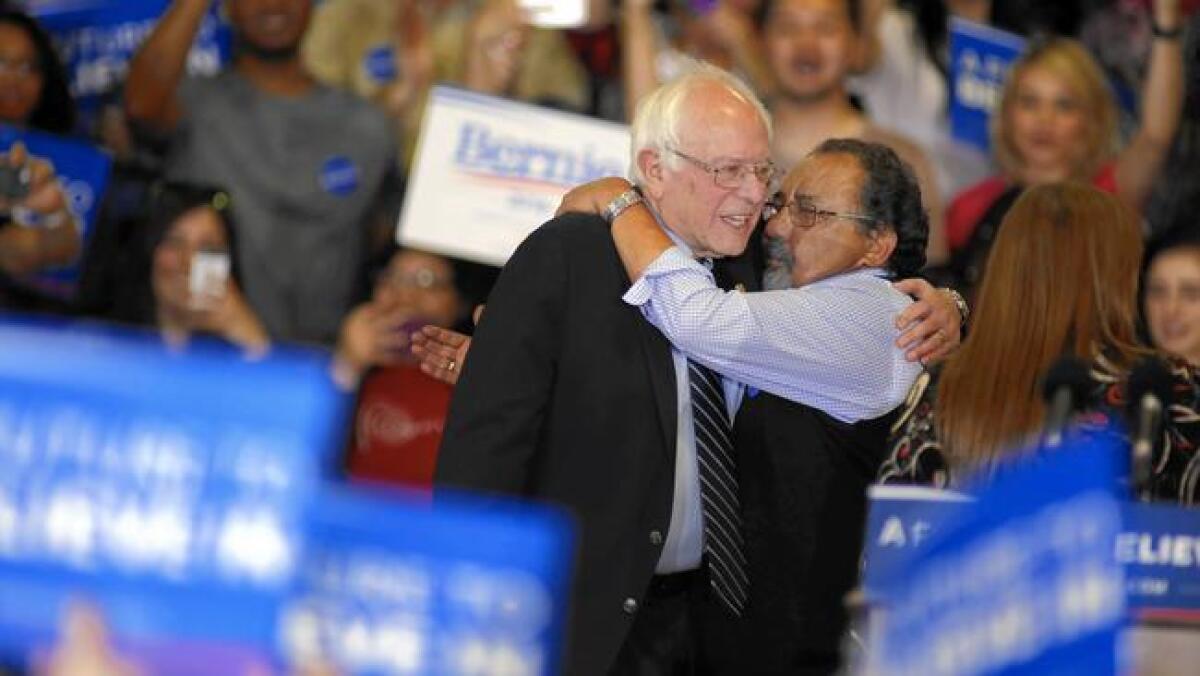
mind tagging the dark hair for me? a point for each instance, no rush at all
(168, 201)
(892, 197)
(55, 109)
(853, 9)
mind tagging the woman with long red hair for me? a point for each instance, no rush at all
(1062, 280)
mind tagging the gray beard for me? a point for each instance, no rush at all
(778, 274)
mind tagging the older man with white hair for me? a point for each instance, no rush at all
(571, 397)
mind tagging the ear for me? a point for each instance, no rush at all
(650, 162)
(879, 250)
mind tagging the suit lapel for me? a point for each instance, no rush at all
(661, 369)
(744, 271)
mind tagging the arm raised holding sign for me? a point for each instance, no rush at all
(268, 55)
(158, 67)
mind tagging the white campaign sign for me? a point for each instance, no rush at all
(489, 171)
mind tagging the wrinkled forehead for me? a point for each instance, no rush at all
(720, 123)
(827, 177)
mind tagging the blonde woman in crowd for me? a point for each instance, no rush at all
(1056, 122)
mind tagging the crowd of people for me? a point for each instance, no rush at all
(708, 361)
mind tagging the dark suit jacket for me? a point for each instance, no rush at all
(569, 396)
(804, 478)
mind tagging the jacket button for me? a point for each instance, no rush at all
(629, 606)
(656, 537)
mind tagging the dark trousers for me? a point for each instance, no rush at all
(665, 637)
(681, 630)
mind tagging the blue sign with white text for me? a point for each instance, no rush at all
(96, 39)
(408, 588)
(1021, 581)
(83, 170)
(186, 494)
(167, 487)
(1159, 547)
(980, 57)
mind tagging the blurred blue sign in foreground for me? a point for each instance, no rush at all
(1159, 547)
(171, 489)
(83, 171)
(463, 588)
(980, 57)
(185, 495)
(1023, 580)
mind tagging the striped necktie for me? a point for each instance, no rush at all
(718, 489)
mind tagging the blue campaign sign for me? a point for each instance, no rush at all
(167, 487)
(1021, 581)
(902, 521)
(405, 588)
(1159, 546)
(83, 170)
(97, 38)
(980, 57)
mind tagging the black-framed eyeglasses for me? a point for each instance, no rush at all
(804, 214)
(731, 175)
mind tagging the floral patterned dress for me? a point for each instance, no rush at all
(916, 456)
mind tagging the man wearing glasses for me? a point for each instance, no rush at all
(821, 348)
(571, 396)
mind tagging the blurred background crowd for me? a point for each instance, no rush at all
(212, 225)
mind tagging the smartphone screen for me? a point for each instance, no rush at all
(556, 13)
(207, 278)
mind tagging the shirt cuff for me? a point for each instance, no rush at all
(670, 261)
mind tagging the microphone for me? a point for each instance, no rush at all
(1147, 393)
(1065, 388)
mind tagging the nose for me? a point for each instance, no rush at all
(780, 226)
(1171, 304)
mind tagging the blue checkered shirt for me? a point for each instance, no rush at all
(829, 344)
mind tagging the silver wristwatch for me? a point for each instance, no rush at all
(621, 203)
(960, 303)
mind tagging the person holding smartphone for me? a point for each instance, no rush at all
(185, 276)
(37, 229)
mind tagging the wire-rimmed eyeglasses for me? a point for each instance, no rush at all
(731, 175)
(804, 214)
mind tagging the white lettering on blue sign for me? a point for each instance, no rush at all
(1150, 549)
(980, 81)
(513, 600)
(894, 534)
(1042, 580)
(252, 544)
(99, 55)
(486, 655)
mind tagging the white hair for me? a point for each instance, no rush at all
(661, 113)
